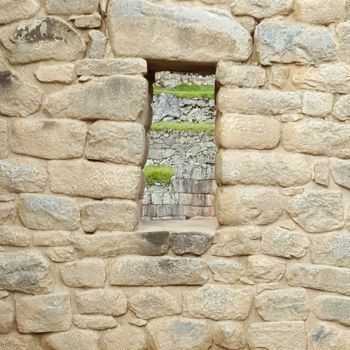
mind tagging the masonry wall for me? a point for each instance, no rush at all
(77, 273)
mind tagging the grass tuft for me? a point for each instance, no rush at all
(167, 126)
(158, 174)
(187, 91)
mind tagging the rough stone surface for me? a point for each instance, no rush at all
(341, 173)
(95, 322)
(18, 342)
(263, 268)
(62, 7)
(343, 31)
(98, 43)
(317, 104)
(195, 243)
(322, 173)
(318, 211)
(342, 108)
(151, 271)
(229, 335)
(7, 316)
(13, 10)
(15, 236)
(226, 271)
(61, 254)
(51, 238)
(41, 314)
(87, 21)
(58, 73)
(3, 139)
(7, 212)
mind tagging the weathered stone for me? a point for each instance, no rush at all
(87, 21)
(341, 172)
(322, 173)
(17, 97)
(226, 271)
(84, 273)
(110, 244)
(262, 9)
(331, 279)
(73, 339)
(51, 238)
(26, 272)
(124, 337)
(44, 313)
(8, 212)
(154, 302)
(175, 333)
(98, 43)
(317, 104)
(153, 271)
(62, 7)
(263, 268)
(248, 206)
(3, 139)
(343, 32)
(13, 10)
(61, 254)
(318, 211)
(280, 75)
(331, 249)
(241, 132)
(40, 212)
(317, 137)
(285, 243)
(212, 35)
(218, 302)
(229, 335)
(196, 243)
(232, 241)
(283, 305)
(22, 175)
(58, 73)
(110, 302)
(111, 66)
(96, 322)
(42, 39)
(19, 342)
(120, 98)
(122, 143)
(247, 22)
(342, 108)
(7, 316)
(277, 335)
(247, 76)
(255, 101)
(95, 179)
(278, 41)
(258, 168)
(15, 236)
(321, 11)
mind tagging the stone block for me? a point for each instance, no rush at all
(58, 73)
(98, 43)
(341, 172)
(7, 316)
(260, 10)
(124, 337)
(342, 108)
(229, 335)
(19, 342)
(96, 322)
(196, 243)
(343, 32)
(317, 104)
(265, 269)
(13, 10)
(77, 7)
(8, 212)
(3, 139)
(51, 238)
(87, 21)
(226, 271)
(61, 254)
(322, 173)
(15, 236)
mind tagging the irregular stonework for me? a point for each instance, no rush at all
(7, 316)
(318, 211)
(13, 10)
(263, 268)
(342, 108)
(226, 271)
(3, 139)
(153, 271)
(42, 39)
(317, 104)
(94, 322)
(18, 341)
(341, 172)
(218, 302)
(26, 272)
(229, 335)
(283, 305)
(58, 73)
(41, 314)
(15, 236)
(195, 243)
(175, 333)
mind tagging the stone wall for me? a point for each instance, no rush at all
(75, 108)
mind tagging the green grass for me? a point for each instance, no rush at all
(167, 126)
(158, 174)
(187, 91)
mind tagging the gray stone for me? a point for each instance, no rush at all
(262, 268)
(15, 236)
(226, 271)
(341, 172)
(229, 335)
(62, 7)
(7, 316)
(196, 243)
(124, 337)
(97, 46)
(262, 9)
(13, 10)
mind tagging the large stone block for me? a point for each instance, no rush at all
(18, 341)
(265, 269)
(3, 139)
(341, 172)
(44, 313)
(318, 211)
(196, 243)
(41, 212)
(154, 271)
(261, 168)
(15, 236)
(317, 137)
(124, 337)
(248, 205)
(242, 132)
(343, 32)
(255, 101)
(47, 38)
(321, 277)
(57, 73)
(77, 7)
(51, 238)
(229, 335)
(95, 179)
(342, 108)
(7, 316)
(122, 143)
(49, 139)
(120, 98)
(262, 9)
(175, 333)
(211, 35)
(14, 10)
(317, 104)
(26, 272)
(226, 270)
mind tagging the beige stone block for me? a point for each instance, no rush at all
(95, 179)
(8, 212)
(61, 7)
(157, 271)
(281, 242)
(7, 316)
(246, 76)
(154, 302)
(263, 9)
(51, 238)
(321, 277)
(58, 73)
(318, 137)
(229, 335)
(252, 205)
(19, 342)
(87, 21)
(343, 32)
(175, 333)
(255, 101)
(322, 173)
(331, 249)
(13, 10)
(283, 305)
(342, 108)
(124, 337)
(84, 273)
(96, 322)
(317, 104)
(110, 302)
(61, 254)
(279, 75)
(41, 212)
(241, 132)
(43, 313)
(3, 139)
(15, 236)
(246, 22)
(277, 335)
(123, 143)
(262, 268)
(119, 98)
(226, 271)
(318, 211)
(341, 172)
